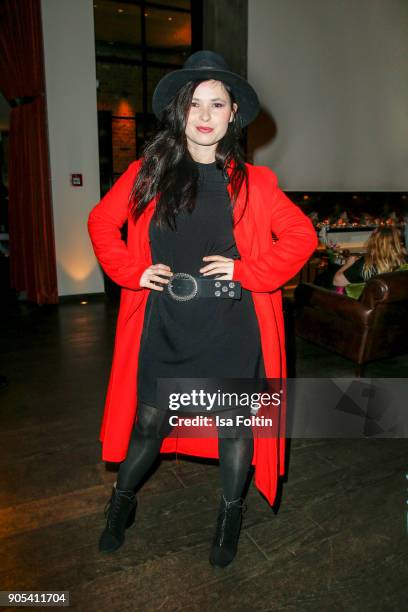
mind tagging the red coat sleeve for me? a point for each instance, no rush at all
(280, 260)
(104, 223)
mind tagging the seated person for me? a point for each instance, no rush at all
(385, 253)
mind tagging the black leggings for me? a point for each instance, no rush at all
(152, 425)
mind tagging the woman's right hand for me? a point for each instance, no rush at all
(150, 276)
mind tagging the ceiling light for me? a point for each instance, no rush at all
(170, 18)
(121, 11)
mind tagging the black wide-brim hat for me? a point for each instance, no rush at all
(207, 65)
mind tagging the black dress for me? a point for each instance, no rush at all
(354, 274)
(199, 338)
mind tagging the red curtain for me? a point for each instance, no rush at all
(32, 248)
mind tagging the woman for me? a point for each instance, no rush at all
(200, 224)
(384, 253)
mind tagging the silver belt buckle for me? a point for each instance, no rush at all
(182, 298)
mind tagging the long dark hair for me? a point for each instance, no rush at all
(168, 171)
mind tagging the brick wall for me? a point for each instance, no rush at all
(120, 92)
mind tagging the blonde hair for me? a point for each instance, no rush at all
(385, 252)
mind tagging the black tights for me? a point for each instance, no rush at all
(152, 425)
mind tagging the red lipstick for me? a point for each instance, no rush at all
(202, 128)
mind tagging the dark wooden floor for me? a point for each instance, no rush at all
(338, 540)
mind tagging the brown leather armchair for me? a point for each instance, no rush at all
(373, 327)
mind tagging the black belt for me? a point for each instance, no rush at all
(183, 287)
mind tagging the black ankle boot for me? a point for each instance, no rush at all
(120, 513)
(227, 532)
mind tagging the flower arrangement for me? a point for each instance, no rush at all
(349, 220)
(334, 253)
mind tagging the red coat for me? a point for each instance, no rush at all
(265, 265)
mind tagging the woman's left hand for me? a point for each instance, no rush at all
(221, 265)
